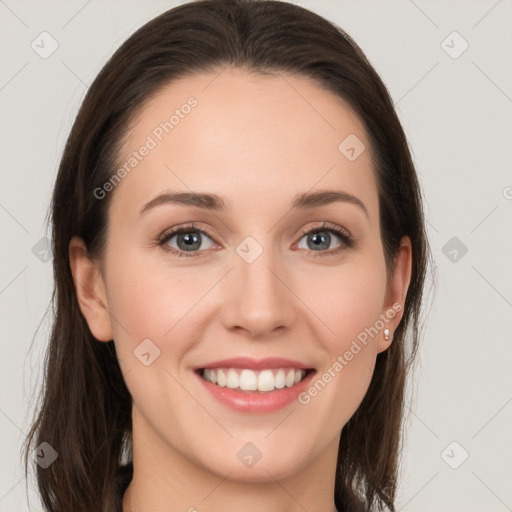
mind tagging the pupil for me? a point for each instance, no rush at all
(320, 240)
(190, 241)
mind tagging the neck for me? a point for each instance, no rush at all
(166, 481)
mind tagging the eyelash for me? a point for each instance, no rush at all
(347, 242)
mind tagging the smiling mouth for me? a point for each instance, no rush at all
(263, 381)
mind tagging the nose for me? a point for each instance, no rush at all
(257, 298)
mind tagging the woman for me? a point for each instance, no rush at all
(239, 258)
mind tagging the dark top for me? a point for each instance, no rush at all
(123, 478)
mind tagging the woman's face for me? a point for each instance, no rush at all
(264, 276)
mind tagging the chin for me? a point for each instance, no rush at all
(246, 463)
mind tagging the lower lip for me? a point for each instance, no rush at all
(254, 401)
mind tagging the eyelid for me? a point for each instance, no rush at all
(182, 228)
(347, 241)
(189, 226)
(328, 226)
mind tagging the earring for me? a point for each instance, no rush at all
(386, 334)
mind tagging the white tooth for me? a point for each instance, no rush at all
(233, 380)
(290, 378)
(221, 378)
(266, 381)
(279, 379)
(248, 380)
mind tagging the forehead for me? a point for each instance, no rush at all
(247, 137)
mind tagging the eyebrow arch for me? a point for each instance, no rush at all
(214, 202)
(201, 200)
(324, 197)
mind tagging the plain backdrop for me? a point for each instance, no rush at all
(455, 104)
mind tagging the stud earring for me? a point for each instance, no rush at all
(386, 334)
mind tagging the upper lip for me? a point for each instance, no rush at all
(255, 364)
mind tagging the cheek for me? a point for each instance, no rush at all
(150, 300)
(350, 305)
(347, 299)
(156, 303)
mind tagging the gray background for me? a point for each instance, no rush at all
(457, 114)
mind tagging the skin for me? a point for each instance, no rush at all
(256, 141)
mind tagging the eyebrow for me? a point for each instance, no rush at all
(306, 200)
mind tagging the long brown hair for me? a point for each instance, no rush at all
(85, 409)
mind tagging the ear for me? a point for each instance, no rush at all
(90, 290)
(396, 292)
